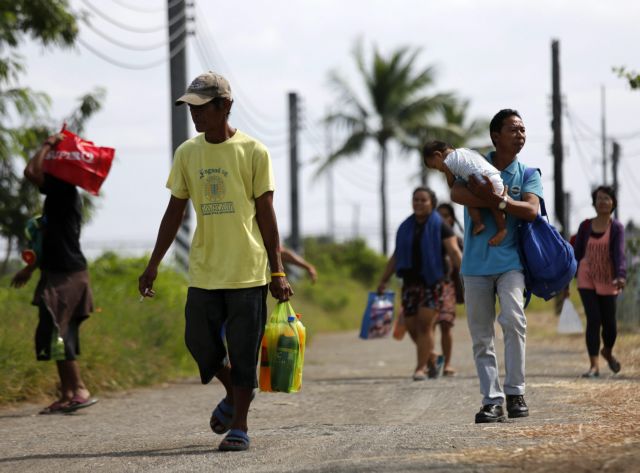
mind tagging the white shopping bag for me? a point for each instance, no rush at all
(569, 319)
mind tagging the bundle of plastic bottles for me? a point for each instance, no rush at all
(282, 351)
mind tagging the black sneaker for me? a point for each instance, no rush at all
(490, 413)
(516, 407)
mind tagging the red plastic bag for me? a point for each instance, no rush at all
(79, 162)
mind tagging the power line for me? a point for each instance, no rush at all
(355, 182)
(312, 132)
(133, 29)
(256, 128)
(596, 136)
(123, 65)
(133, 47)
(589, 130)
(635, 183)
(578, 135)
(136, 8)
(209, 37)
(587, 174)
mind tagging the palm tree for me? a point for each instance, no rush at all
(395, 102)
(454, 129)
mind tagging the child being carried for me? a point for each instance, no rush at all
(463, 163)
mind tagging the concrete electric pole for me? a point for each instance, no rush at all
(294, 239)
(177, 20)
(556, 125)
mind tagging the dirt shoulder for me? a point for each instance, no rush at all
(359, 411)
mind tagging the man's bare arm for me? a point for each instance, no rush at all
(33, 171)
(167, 232)
(266, 217)
(481, 194)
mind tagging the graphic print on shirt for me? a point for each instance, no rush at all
(214, 192)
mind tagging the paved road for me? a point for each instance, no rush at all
(359, 411)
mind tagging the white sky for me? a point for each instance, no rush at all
(496, 53)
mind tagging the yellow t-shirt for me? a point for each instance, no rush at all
(223, 180)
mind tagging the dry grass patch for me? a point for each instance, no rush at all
(605, 438)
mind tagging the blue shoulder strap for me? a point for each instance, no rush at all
(528, 172)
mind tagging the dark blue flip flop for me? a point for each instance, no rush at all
(221, 417)
(236, 441)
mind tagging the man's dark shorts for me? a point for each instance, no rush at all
(243, 312)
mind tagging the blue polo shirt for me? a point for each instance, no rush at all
(481, 259)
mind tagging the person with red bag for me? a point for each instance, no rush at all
(78, 161)
(63, 294)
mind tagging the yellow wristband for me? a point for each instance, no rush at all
(279, 275)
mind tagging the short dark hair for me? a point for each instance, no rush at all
(610, 191)
(498, 120)
(449, 208)
(431, 147)
(432, 195)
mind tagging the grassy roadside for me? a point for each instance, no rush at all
(126, 343)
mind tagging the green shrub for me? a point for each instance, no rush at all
(352, 259)
(126, 343)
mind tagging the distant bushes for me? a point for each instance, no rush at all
(126, 343)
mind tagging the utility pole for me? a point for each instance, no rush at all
(331, 214)
(604, 136)
(177, 16)
(294, 239)
(615, 158)
(558, 158)
(556, 125)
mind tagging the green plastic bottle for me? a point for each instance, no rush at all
(57, 346)
(283, 367)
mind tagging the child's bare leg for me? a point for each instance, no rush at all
(476, 218)
(501, 223)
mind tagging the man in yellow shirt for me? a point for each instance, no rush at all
(234, 253)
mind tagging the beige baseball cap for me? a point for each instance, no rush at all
(205, 88)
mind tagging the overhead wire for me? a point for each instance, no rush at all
(252, 126)
(586, 170)
(207, 59)
(203, 28)
(355, 179)
(582, 124)
(133, 29)
(136, 8)
(635, 183)
(133, 47)
(124, 65)
(632, 192)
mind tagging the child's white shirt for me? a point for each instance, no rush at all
(463, 162)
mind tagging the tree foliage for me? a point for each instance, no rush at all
(395, 102)
(24, 113)
(454, 127)
(632, 77)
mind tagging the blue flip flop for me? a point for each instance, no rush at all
(221, 417)
(240, 441)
